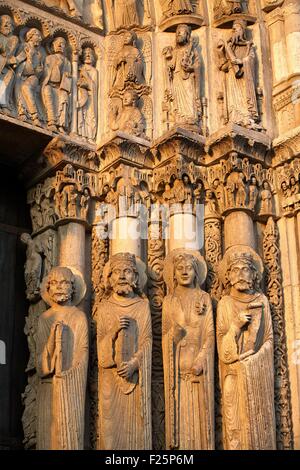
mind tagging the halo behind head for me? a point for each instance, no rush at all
(235, 253)
(77, 279)
(169, 266)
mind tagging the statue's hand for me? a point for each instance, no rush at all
(237, 62)
(178, 333)
(246, 355)
(127, 369)
(243, 318)
(199, 367)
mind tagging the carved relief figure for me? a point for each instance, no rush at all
(124, 357)
(57, 87)
(266, 201)
(69, 6)
(245, 346)
(188, 353)
(237, 61)
(176, 7)
(227, 7)
(183, 80)
(8, 48)
(129, 119)
(62, 360)
(28, 75)
(33, 267)
(87, 107)
(125, 14)
(253, 192)
(84, 203)
(128, 66)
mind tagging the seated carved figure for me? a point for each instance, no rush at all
(245, 347)
(62, 360)
(176, 7)
(30, 68)
(129, 119)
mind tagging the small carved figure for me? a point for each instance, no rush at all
(62, 360)
(124, 357)
(87, 106)
(241, 194)
(266, 205)
(188, 353)
(237, 61)
(57, 87)
(129, 119)
(219, 192)
(84, 203)
(36, 217)
(227, 7)
(125, 14)
(129, 67)
(8, 48)
(32, 268)
(253, 192)
(176, 7)
(183, 80)
(28, 75)
(245, 346)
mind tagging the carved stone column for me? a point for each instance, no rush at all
(238, 229)
(72, 245)
(274, 292)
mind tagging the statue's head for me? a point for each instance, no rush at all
(130, 98)
(293, 181)
(241, 268)
(88, 56)
(33, 36)
(26, 238)
(239, 30)
(6, 25)
(266, 185)
(185, 268)
(253, 180)
(183, 34)
(122, 276)
(63, 286)
(129, 38)
(59, 45)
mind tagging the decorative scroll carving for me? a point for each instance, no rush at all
(213, 255)
(237, 61)
(274, 288)
(99, 257)
(124, 341)
(182, 101)
(245, 347)
(156, 292)
(62, 360)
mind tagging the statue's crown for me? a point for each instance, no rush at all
(241, 256)
(127, 258)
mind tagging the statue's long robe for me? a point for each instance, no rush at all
(189, 399)
(247, 385)
(61, 400)
(124, 405)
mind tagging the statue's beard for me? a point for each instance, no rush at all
(242, 285)
(123, 289)
(61, 298)
(238, 38)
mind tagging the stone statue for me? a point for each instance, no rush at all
(66, 202)
(33, 268)
(87, 106)
(57, 87)
(237, 61)
(253, 192)
(8, 48)
(128, 67)
(241, 193)
(28, 74)
(176, 7)
(84, 204)
(188, 353)
(219, 192)
(62, 361)
(125, 14)
(129, 119)
(183, 80)
(227, 7)
(124, 357)
(245, 346)
(266, 200)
